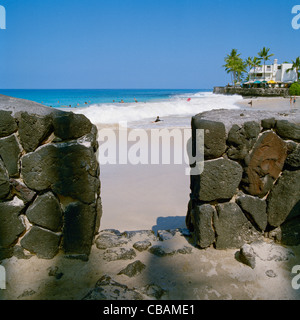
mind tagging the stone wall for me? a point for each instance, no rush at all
(253, 92)
(250, 185)
(49, 181)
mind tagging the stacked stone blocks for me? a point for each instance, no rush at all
(49, 184)
(250, 185)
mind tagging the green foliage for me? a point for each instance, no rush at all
(235, 66)
(296, 66)
(295, 89)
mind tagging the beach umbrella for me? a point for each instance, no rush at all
(257, 81)
(272, 81)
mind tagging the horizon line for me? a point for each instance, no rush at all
(106, 89)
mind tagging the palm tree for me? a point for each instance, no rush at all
(264, 55)
(233, 64)
(240, 68)
(296, 65)
(249, 63)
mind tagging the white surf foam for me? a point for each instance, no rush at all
(144, 112)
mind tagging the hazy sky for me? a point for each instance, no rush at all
(137, 43)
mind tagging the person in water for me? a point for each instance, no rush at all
(158, 119)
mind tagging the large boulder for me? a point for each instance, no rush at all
(219, 180)
(79, 228)
(10, 152)
(293, 159)
(288, 130)
(11, 224)
(255, 208)
(46, 212)
(71, 126)
(33, 130)
(8, 124)
(202, 217)
(69, 169)
(264, 164)
(214, 137)
(232, 227)
(283, 198)
(4, 181)
(290, 232)
(42, 242)
(241, 139)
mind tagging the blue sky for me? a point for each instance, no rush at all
(137, 43)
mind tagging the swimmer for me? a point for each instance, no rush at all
(157, 120)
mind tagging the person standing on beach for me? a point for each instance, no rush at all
(294, 101)
(291, 100)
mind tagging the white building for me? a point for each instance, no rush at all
(275, 72)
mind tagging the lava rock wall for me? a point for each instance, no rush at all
(49, 181)
(250, 185)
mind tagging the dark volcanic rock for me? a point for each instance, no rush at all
(256, 208)
(33, 130)
(288, 130)
(268, 124)
(119, 254)
(108, 239)
(247, 255)
(46, 212)
(293, 159)
(219, 180)
(8, 124)
(142, 245)
(133, 269)
(42, 242)
(202, 217)
(242, 139)
(79, 228)
(4, 181)
(283, 197)
(69, 169)
(214, 137)
(290, 232)
(11, 224)
(232, 227)
(264, 164)
(108, 289)
(10, 152)
(71, 126)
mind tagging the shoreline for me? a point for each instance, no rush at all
(270, 103)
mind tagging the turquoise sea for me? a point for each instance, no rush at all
(84, 97)
(140, 107)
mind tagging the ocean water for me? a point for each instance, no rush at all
(104, 107)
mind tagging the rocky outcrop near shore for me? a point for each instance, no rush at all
(252, 189)
(49, 180)
(253, 92)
